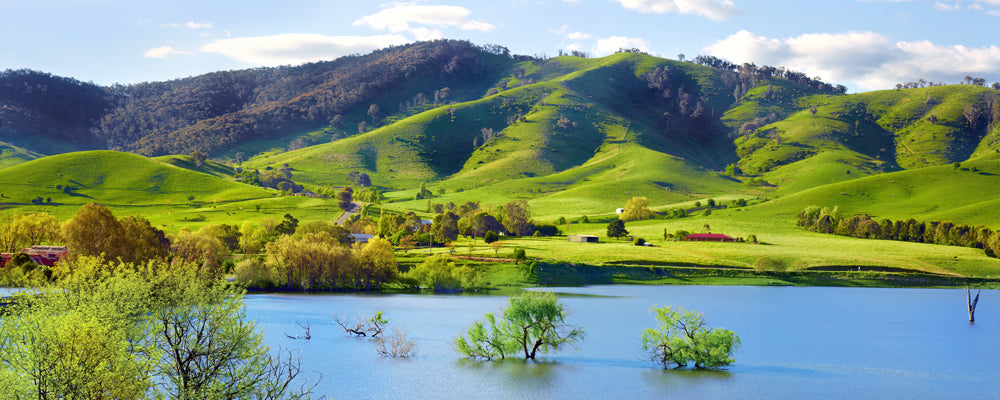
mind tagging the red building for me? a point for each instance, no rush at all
(41, 255)
(708, 237)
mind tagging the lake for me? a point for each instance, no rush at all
(798, 342)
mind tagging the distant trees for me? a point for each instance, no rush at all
(517, 218)
(532, 322)
(319, 261)
(826, 220)
(443, 276)
(26, 230)
(681, 337)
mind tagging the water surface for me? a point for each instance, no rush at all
(811, 342)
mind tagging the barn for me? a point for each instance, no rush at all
(583, 238)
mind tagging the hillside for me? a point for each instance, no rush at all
(114, 179)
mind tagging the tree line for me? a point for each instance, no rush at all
(827, 220)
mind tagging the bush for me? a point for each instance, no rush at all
(770, 264)
(639, 242)
(491, 237)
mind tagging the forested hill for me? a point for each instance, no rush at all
(769, 122)
(214, 111)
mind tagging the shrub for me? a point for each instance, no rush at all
(771, 264)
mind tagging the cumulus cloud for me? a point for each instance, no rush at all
(612, 44)
(718, 10)
(297, 48)
(864, 60)
(400, 18)
(163, 52)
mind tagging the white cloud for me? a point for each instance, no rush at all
(947, 7)
(401, 18)
(578, 36)
(297, 48)
(718, 10)
(612, 44)
(163, 52)
(190, 25)
(561, 30)
(865, 60)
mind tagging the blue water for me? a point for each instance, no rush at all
(797, 343)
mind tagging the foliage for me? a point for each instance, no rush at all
(26, 230)
(616, 229)
(517, 218)
(636, 209)
(770, 264)
(95, 231)
(681, 337)
(317, 261)
(491, 237)
(127, 331)
(531, 322)
(443, 276)
(826, 220)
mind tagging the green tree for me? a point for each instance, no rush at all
(114, 330)
(616, 229)
(443, 276)
(491, 237)
(681, 337)
(532, 322)
(636, 209)
(517, 218)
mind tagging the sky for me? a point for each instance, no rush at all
(862, 44)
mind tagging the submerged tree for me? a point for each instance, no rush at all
(531, 322)
(681, 337)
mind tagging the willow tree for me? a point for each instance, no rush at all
(532, 322)
(681, 337)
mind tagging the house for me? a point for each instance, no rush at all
(41, 255)
(583, 239)
(708, 237)
(361, 237)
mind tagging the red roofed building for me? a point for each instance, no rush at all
(41, 255)
(708, 237)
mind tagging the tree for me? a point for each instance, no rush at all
(496, 246)
(517, 218)
(616, 229)
(636, 209)
(490, 237)
(94, 231)
(443, 275)
(375, 113)
(199, 157)
(113, 330)
(681, 337)
(531, 322)
(345, 199)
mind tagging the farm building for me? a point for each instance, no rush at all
(709, 237)
(41, 255)
(361, 237)
(583, 238)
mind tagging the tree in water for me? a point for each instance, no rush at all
(681, 337)
(532, 322)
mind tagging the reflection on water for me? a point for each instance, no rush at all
(797, 343)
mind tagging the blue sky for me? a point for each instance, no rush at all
(863, 44)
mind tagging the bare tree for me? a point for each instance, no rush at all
(305, 327)
(396, 345)
(972, 303)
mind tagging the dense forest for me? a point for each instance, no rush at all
(213, 111)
